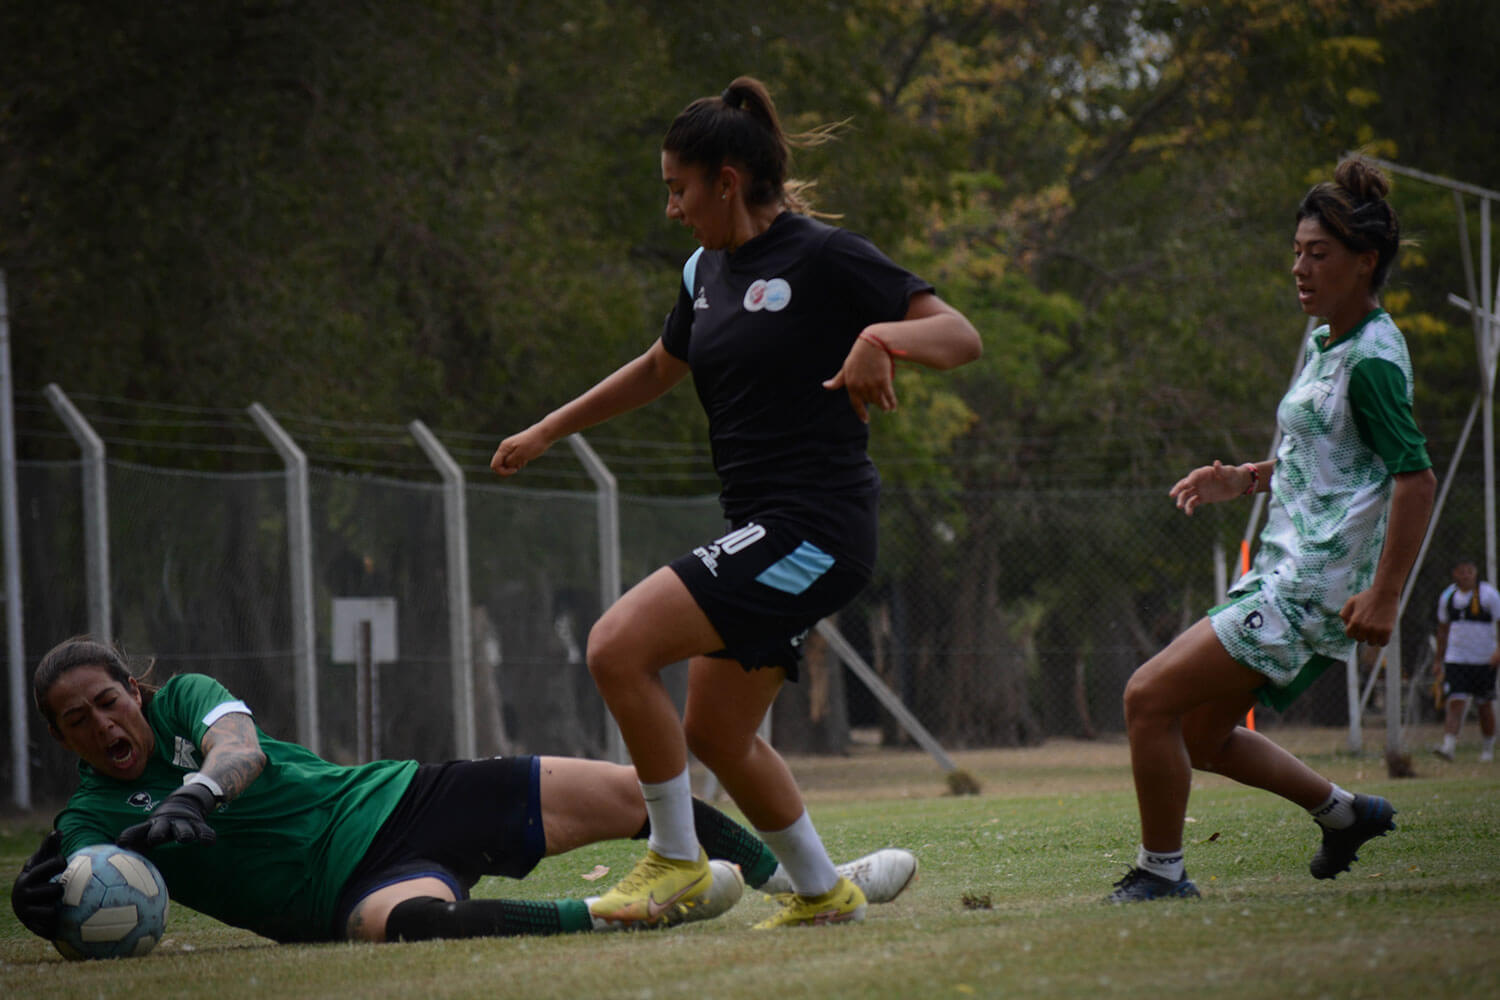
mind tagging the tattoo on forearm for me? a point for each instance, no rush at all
(232, 755)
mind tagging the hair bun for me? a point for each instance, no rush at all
(1362, 179)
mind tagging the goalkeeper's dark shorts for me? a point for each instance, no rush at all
(457, 821)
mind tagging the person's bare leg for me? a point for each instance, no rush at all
(656, 623)
(1193, 671)
(586, 801)
(725, 706)
(1486, 713)
(1217, 742)
(1453, 719)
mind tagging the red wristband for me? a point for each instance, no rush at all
(1254, 478)
(876, 339)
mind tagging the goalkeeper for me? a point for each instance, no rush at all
(263, 834)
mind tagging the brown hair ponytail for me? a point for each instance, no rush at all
(741, 127)
(1353, 208)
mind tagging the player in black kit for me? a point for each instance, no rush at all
(790, 328)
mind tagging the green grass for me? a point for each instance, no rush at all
(1053, 827)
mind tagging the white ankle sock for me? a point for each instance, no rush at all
(803, 856)
(1337, 812)
(1450, 743)
(1167, 864)
(669, 805)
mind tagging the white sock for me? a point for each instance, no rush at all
(1167, 864)
(1450, 742)
(1487, 748)
(803, 856)
(1337, 812)
(669, 805)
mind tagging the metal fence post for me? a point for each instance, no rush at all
(95, 510)
(10, 523)
(609, 561)
(299, 558)
(460, 631)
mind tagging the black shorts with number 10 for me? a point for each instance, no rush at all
(764, 584)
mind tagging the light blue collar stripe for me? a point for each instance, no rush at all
(690, 270)
(798, 571)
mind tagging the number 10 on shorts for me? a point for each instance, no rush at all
(736, 541)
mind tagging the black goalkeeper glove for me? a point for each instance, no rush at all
(182, 818)
(35, 896)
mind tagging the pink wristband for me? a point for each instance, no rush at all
(1254, 478)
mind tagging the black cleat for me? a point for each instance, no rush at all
(1139, 886)
(1372, 818)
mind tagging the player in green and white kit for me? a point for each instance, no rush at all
(264, 834)
(1351, 490)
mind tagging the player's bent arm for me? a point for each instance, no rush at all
(932, 334)
(1440, 653)
(232, 757)
(1411, 505)
(1370, 615)
(633, 385)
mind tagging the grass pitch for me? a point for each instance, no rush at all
(1008, 902)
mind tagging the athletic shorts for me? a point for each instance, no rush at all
(456, 822)
(1259, 631)
(763, 586)
(1469, 680)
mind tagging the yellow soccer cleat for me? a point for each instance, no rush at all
(658, 892)
(843, 904)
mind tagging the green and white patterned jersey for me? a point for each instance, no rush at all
(1347, 429)
(285, 847)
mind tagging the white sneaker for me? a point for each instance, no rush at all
(881, 876)
(726, 889)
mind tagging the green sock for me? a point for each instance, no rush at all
(725, 840)
(573, 915)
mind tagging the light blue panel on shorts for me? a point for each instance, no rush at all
(798, 571)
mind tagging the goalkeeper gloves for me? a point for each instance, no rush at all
(182, 818)
(35, 896)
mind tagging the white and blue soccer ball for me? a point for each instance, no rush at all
(114, 904)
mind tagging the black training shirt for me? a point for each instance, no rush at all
(765, 326)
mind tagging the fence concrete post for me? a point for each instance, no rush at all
(299, 558)
(95, 510)
(460, 630)
(608, 492)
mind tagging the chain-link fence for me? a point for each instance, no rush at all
(999, 618)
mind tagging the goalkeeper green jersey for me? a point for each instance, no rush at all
(285, 846)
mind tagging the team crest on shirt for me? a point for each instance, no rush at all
(141, 800)
(182, 754)
(772, 296)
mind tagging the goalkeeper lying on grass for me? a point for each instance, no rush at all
(383, 851)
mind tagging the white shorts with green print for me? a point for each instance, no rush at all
(1263, 632)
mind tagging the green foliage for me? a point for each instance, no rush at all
(452, 210)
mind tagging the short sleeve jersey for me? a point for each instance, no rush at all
(762, 329)
(1347, 428)
(285, 847)
(1471, 619)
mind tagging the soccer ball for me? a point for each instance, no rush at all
(114, 904)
